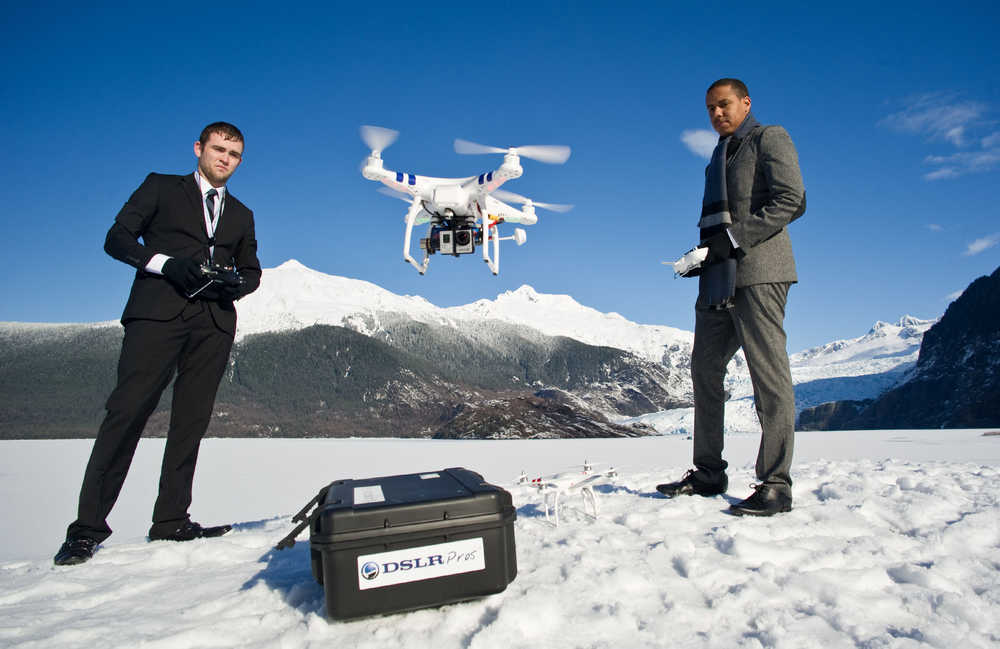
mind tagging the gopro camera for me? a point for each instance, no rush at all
(458, 240)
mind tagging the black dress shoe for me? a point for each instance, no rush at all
(75, 550)
(189, 531)
(766, 500)
(693, 483)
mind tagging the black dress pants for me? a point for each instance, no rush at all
(152, 351)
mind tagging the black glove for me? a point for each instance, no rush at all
(226, 286)
(185, 273)
(694, 272)
(720, 248)
(230, 292)
(221, 292)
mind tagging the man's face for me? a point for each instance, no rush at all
(726, 109)
(218, 158)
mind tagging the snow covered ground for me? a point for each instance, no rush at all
(894, 541)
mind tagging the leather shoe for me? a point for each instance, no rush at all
(75, 550)
(189, 531)
(766, 500)
(693, 483)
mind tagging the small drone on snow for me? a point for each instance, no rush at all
(462, 212)
(582, 482)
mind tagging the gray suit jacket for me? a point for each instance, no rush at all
(765, 194)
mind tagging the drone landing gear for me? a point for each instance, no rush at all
(490, 231)
(586, 493)
(411, 219)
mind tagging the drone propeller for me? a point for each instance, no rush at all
(378, 138)
(394, 194)
(550, 153)
(504, 195)
(465, 147)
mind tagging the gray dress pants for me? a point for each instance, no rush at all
(755, 322)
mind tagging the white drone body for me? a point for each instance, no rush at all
(553, 487)
(460, 212)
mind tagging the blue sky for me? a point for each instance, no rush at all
(893, 108)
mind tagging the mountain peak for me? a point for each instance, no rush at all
(524, 292)
(907, 325)
(292, 264)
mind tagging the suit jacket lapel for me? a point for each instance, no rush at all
(741, 146)
(192, 192)
(229, 219)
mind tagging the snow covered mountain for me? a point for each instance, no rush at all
(858, 368)
(956, 379)
(853, 369)
(883, 340)
(318, 355)
(293, 297)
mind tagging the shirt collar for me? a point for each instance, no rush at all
(204, 185)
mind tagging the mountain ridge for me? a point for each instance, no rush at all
(501, 349)
(954, 383)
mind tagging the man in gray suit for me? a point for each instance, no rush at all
(753, 191)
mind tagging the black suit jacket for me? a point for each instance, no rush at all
(166, 213)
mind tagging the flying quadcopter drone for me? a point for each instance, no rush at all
(461, 212)
(582, 482)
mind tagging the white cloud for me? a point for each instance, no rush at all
(700, 142)
(972, 160)
(942, 118)
(982, 244)
(945, 172)
(936, 116)
(934, 227)
(951, 297)
(964, 162)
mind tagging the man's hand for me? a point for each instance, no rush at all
(720, 248)
(230, 292)
(185, 273)
(220, 292)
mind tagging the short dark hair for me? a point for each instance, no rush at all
(225, 129)
(738, 87)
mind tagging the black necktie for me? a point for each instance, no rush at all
(210, 202)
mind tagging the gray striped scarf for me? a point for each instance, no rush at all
(717, 282)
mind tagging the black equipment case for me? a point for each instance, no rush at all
(397, 543)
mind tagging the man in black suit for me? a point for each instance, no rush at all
(176, 321)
